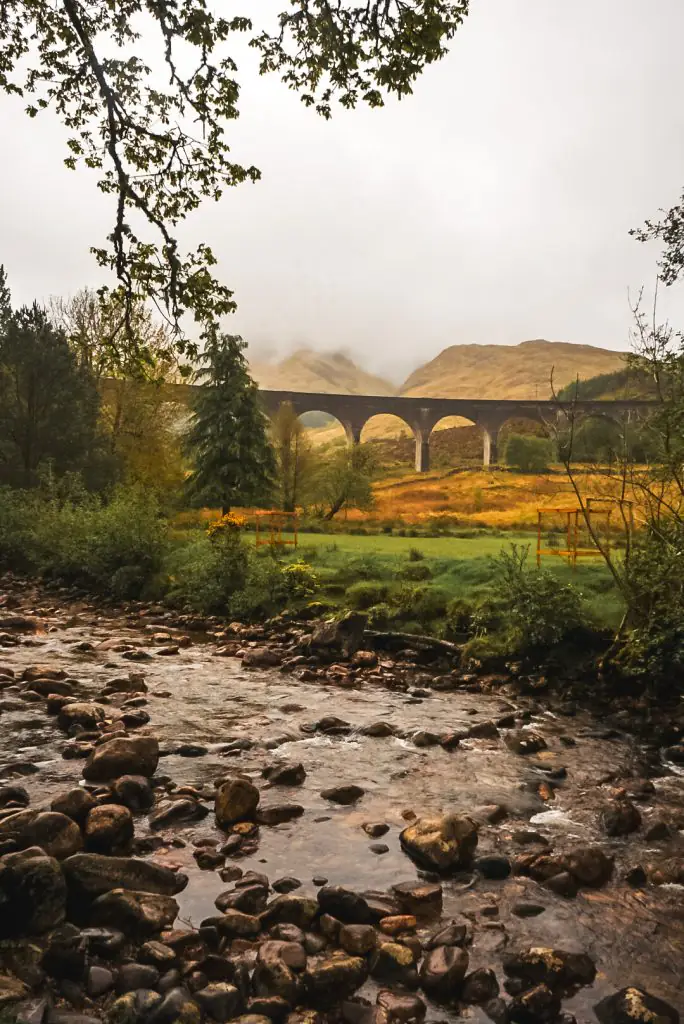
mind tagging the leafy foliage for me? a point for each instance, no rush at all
(232, 460)
(112, 547)
(295, 460)
(343, 480)
(531, 610)
(527, 453)
(147, 90)
(49, 404)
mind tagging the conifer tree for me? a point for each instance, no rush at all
(227, 442)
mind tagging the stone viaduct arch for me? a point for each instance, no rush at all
(422, 414)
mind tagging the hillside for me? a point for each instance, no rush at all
(508, 371)
(331, 373)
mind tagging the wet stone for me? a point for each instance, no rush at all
(443, 970)
(375, 829)
(635, 1006)
(134, 976)
(348, 794)
(401, 1006)
(620, 818)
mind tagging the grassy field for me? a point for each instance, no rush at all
(455, 567)
(478, 546)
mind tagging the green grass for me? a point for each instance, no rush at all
(455, 566)
(479, 544)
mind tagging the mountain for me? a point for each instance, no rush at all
(508, 371)
(331, 373)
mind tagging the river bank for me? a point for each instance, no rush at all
(342, 750)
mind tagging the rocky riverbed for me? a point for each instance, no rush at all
(307, 823)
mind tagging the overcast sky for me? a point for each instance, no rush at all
(493, 206)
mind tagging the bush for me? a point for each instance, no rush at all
(458, 618)
(365, 594)
(379, 616)
(421, 603)
(300, 580)
(415, 555)
(527, 453)
(111, 547)
(531, 609)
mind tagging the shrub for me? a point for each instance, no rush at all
(533, 608)
(415, 555)
(365, 594)
(19, 512)
(527, 453)
(459, 617)
(300, 580)
(421, 603)
(379, 616)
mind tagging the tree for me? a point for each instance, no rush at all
(227, 443)
(49, 405)
(5, 300)
(527, 453)
(648, 566)
(294, 457)
(343, 480)
(147, 88)
(142, 425)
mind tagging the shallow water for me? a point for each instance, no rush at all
(635, 936)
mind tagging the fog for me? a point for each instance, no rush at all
(492, 206)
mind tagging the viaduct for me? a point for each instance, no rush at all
(421, 415)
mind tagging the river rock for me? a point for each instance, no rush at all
(32, 893)
(554, 967)
(220, 1001)
(47, 687)
(620, 818)
(89, 875)
(494, 866)
(343, 636)
(14, 796)
(75, 804)
(443, 970)
(328, 980)
(480, 987)
(123, 755)
(525, 741)
(236, 800)
(235, 924)
(357, 939)
(291, 909)
(134, 682)
(109, 829)
(394, 963)
(54, 833)
(343, 904)
(249, 900)
(590, 865)
(42, 672)
(98, 981)
(272, 977)
(345, 795)
(176, 1006)
(401, 1006)
(635, 1006)
(183, 809)
(139, 914)
(456, 932)
(261, 657)
(86, 716)
(285, 774)
(278, 814)
(441, 844)
(538, 1005)
(133, 792)
(134, 976)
